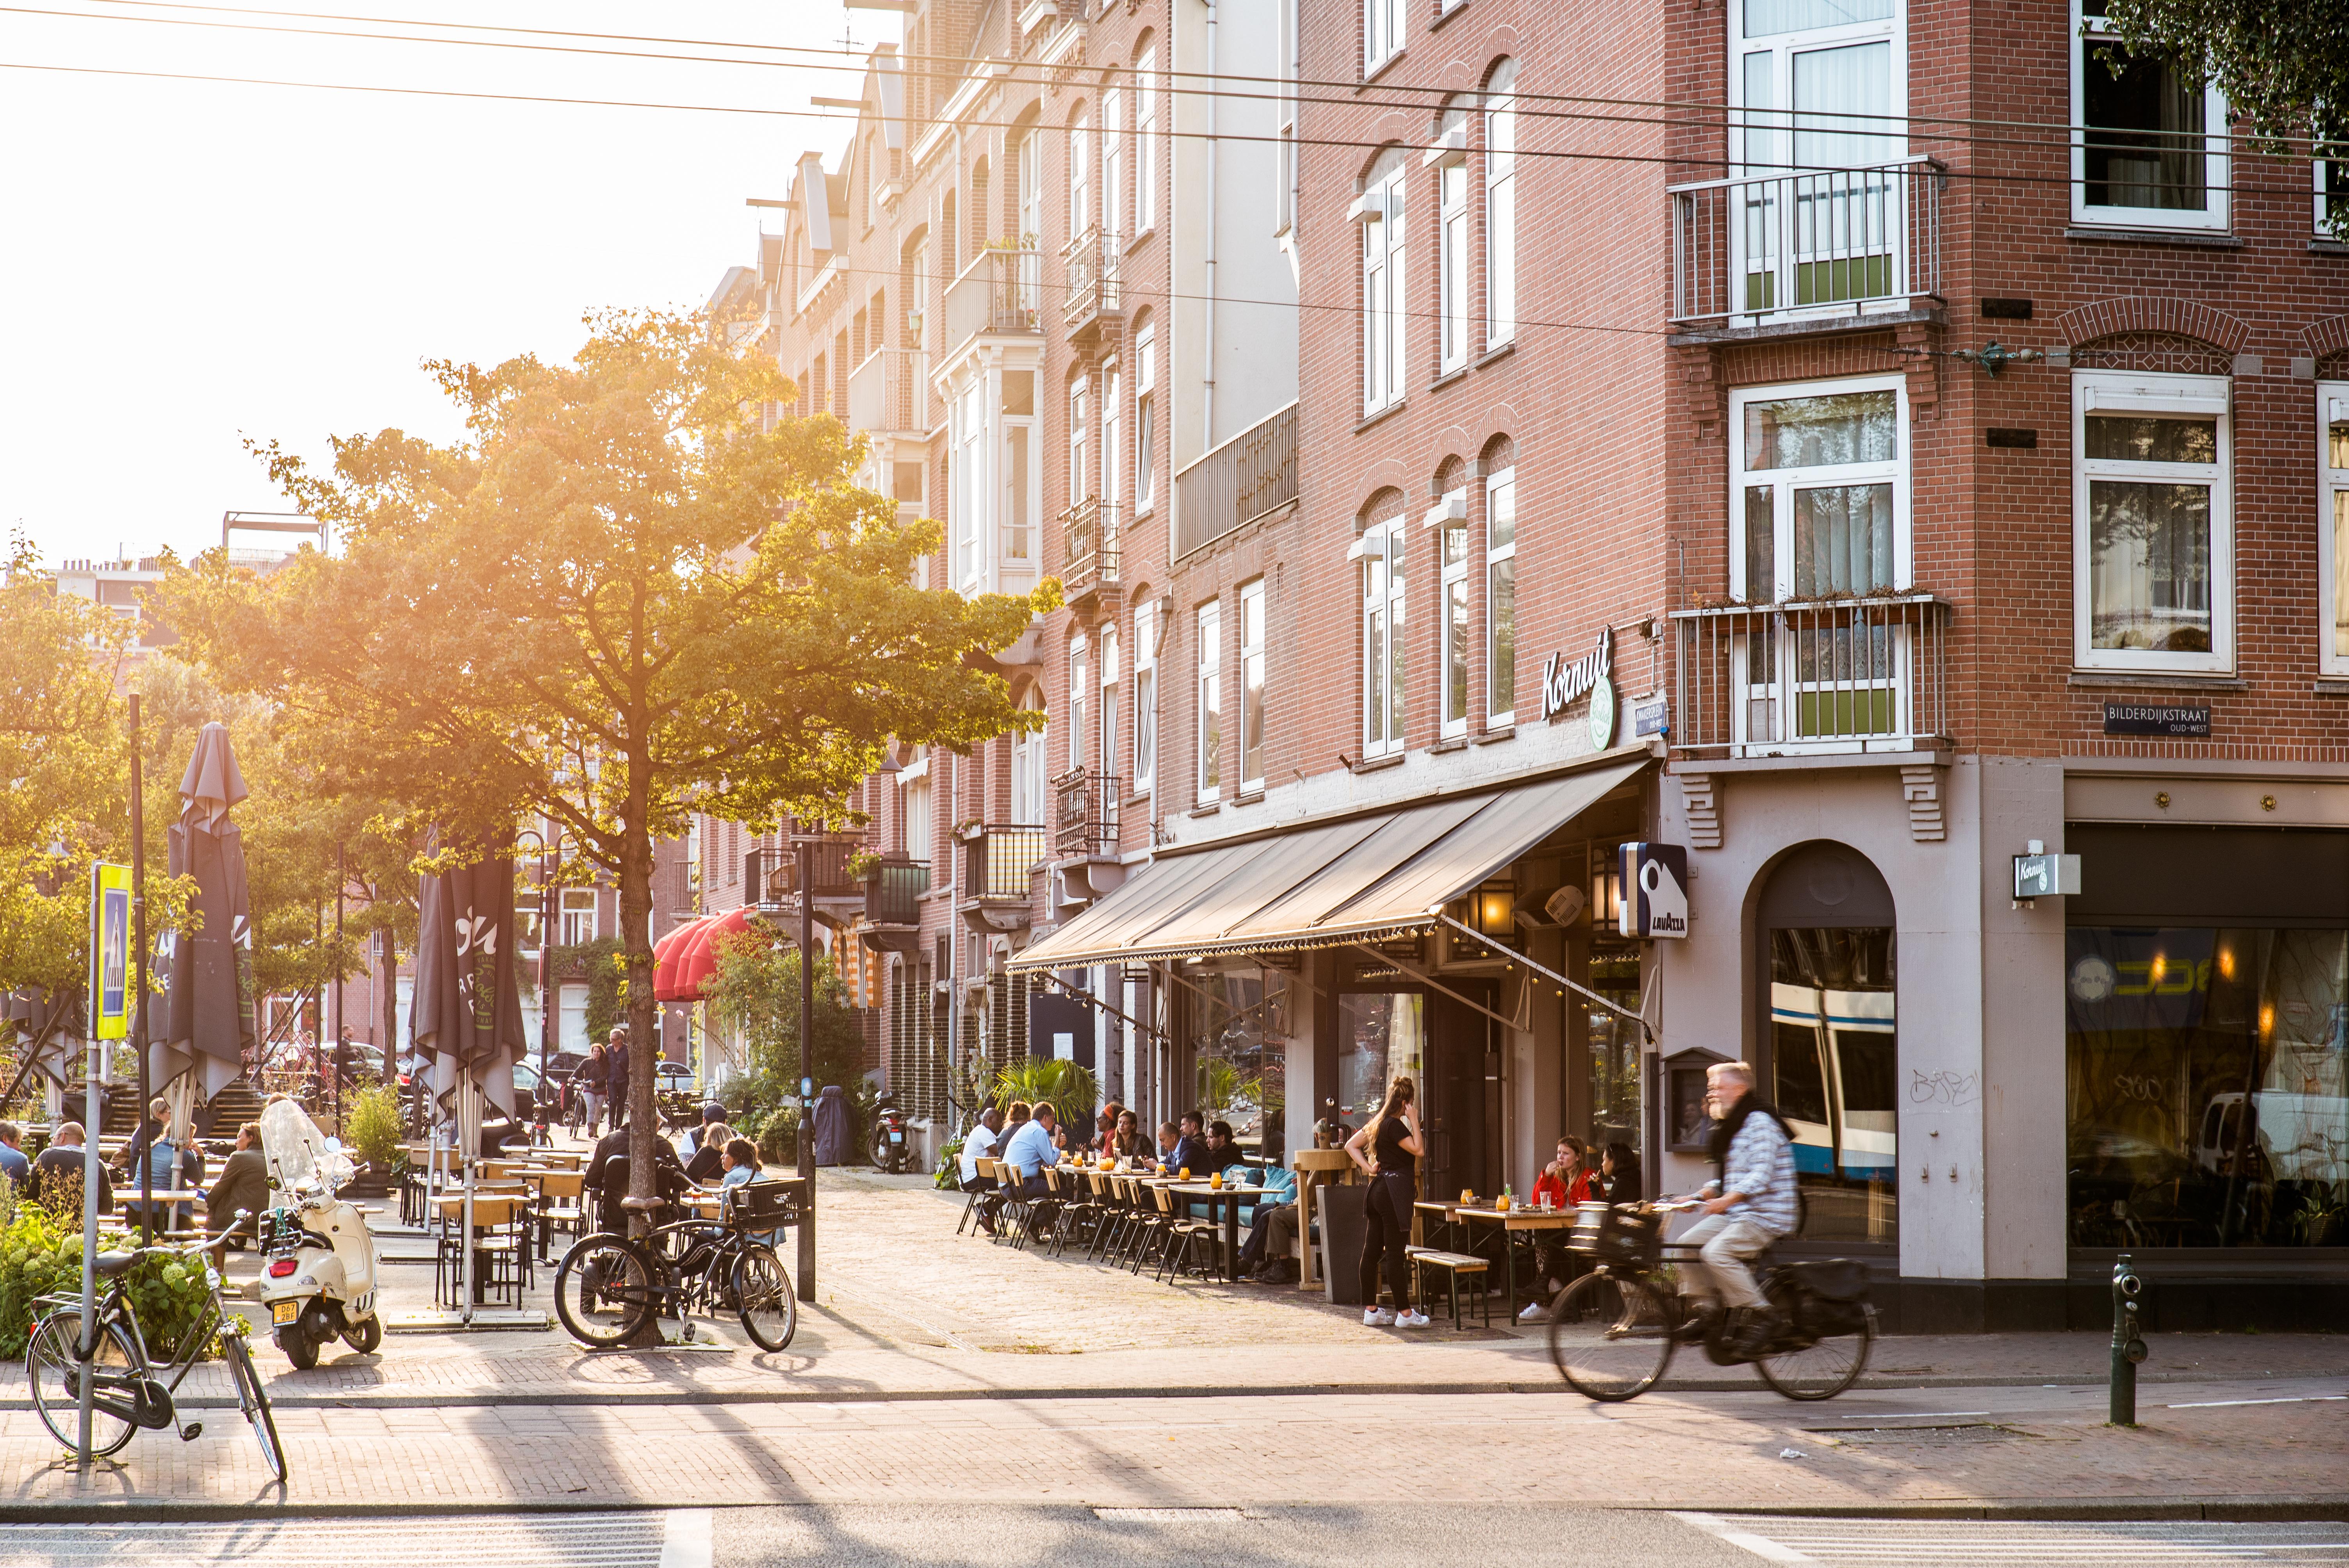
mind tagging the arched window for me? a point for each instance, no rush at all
(1380, 211)
(1081, 212)
(1501, 206)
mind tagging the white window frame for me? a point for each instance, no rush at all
(1145, 411)
(1105, 659)
(582, 913)
(1030, 750)
(1449, 159)
(1146, 142)
(966, 446)
(1500, 208)
(1080, 679)
(1385, 712)
(2132, 392)
(1208, 732)
(1500, 496)
(2214, 214)
(1020, 497)
(1252, 692)
(1382, 33)
(1145, 699)
(1113, 183)
(2332, 495)
(1113, 429)
(2320, 168)
(1080, 207)
(918, 798)
(1456, 603)
(1080, 397)
(1385, 290)
(1786, 481)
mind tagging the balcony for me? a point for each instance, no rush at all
(889, 394)
(893, 886)
(1084, 814)
(997, 863)
(1088, 553)
(1093, 302)
(1253, 473)
(838, 893)
(1818, 244)
(1827, 676)
(995, 294)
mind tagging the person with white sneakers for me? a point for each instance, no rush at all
(1395, 1144)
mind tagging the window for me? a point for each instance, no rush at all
(2332, 519)
(579, 913)
(1252, 685)
(1381, 33)
(1021, 481)
(1145, 697)
(2332, 193)
(1107, 762)
(918, 799)
(1081, 212)
(1146, 405)
(1501, 207)
(2151, 151)
(1078, 472)
(1146, 140)
(1112, 197)
(1112, 426)
(1459, 627)
(1079, 678)
(968, 439)
(1211, 700)
(1821, 491)
(1381, 210)
(1451, 248)
(1501, 599)
(2152, 562)
(1380, 552)
(1028, 766)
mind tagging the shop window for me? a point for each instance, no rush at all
(2151, 150)
(2332, 520)
(2207, 1100)
(2153, 552)
(1380, 1035)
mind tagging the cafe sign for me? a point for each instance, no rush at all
(1565, 683)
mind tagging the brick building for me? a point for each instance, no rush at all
(1766, 431)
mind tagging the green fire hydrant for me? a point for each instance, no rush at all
(2128, 1343)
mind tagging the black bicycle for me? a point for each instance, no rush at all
(125, 1394)
(607, 1287)
(1613, 1331)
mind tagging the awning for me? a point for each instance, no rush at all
(1361, 879)
(696, 957)
(667, 952)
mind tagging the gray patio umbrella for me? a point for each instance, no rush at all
(466, 1017)
(205, 1020)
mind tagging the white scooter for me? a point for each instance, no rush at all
(319, 1281)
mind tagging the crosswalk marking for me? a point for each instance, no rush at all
(1864, 1543)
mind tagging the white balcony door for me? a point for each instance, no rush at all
(1818, 83)
(1029, 171)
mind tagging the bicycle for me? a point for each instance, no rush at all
(1612, 1332)
(125, 1395)
(607, 1287)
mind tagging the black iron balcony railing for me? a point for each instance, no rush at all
(829, 874)
(1084, 815)
(1818, 675)
(1089, 549)
(893, 886)
(1780, 243)
(998, 862)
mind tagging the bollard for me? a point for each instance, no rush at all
(2128, 1343)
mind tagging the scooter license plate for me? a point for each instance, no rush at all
(896, 1137)
(285, 1311)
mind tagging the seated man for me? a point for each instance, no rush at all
(1272, 1229)
(1191, 1148)
(1026, 1157)
(607, 1173)
(1167, 1138)
(978, 1144)
(55, 1180)
(1223, 1153)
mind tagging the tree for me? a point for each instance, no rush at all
(757, 988)
(2283, 66)
(624, 595)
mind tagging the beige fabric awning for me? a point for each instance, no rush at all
(1359, 879)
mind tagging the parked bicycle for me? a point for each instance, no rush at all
(1613, 1331)
(125, 1394)
(607, 1287)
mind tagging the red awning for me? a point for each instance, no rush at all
(696, 957)
(666, 953)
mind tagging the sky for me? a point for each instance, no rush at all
(188, 265)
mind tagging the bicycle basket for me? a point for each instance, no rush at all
(759, 1206)
(1612, 1235)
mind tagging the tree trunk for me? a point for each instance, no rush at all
(643, 1051)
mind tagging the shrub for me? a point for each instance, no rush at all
(372, 1126)
(39, 1257)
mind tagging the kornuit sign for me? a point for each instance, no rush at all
(1563, 681)
(2156, 718)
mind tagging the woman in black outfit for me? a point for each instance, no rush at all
(1393, 1137)
(1621, 1170)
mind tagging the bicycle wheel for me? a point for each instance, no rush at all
(255, 1400)
(765, 1298)
(603, 1291)
(1824, 1367)
(54, 1371)
(1611, 1337)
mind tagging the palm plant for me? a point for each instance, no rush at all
(1071, 1090)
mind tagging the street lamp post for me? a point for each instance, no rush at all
(806, 848)
(549, 859)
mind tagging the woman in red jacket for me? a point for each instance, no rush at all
(1565, 1181)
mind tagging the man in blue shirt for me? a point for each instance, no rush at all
(1190, 1152)
(1027, 1155)
(14, 1163)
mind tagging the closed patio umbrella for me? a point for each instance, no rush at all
(206, 1014)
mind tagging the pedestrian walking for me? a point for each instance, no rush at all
(588, 1080)
(615, 1068)
(1394, 1144)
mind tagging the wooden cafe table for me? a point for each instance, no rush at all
(1230, 1197)
(1517, 1217)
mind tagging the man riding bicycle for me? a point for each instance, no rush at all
(1748, 1206)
